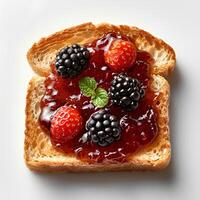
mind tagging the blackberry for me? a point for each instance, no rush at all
(71, 60)
(103, 128)
(126, 92)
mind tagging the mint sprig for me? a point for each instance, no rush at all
(88, 87)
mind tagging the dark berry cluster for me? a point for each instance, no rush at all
(70, 61)
(126, 92)
(103, 128)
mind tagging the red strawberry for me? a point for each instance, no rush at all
(121, 55)
(65, 125)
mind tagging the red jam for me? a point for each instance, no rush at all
(139, 126)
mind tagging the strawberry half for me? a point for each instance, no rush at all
(121, 55)
(66, 124)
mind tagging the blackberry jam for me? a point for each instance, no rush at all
(139, 127)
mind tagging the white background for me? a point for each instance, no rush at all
(177, 22)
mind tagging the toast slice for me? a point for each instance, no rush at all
(40, 154)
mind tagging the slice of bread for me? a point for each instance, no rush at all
(41, 155)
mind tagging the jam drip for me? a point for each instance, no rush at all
(139, 126)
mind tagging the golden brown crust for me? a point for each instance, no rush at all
(41, 156)
(42, 53)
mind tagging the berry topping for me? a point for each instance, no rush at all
(126, 92)
(121, 55)
(103, 128)
(70, 61)
(65, 125)
(89, 130)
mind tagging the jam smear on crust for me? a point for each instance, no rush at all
(139, 127)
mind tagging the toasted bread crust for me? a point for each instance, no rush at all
(42, 53)
(41, 156)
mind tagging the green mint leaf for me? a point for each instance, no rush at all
(100, 99)
(87, 86)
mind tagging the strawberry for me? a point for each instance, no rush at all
(121, 55)
(66, 124)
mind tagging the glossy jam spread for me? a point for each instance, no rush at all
(139, 126)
